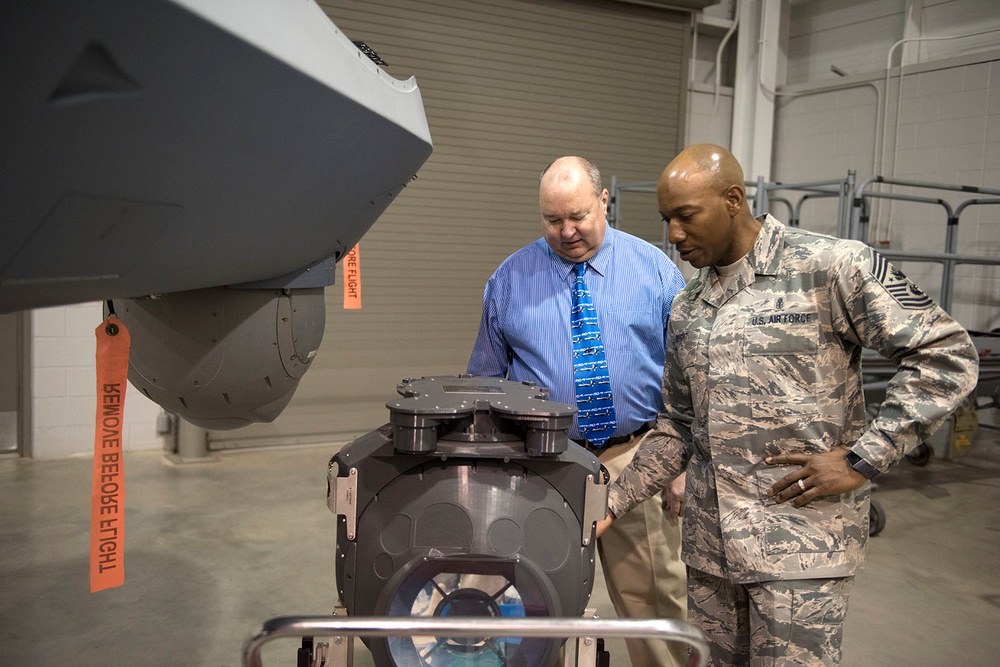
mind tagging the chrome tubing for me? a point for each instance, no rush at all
(560, 628)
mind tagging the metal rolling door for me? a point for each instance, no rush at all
(508, 85)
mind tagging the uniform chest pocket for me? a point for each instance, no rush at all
(781, 358)
(692, 360)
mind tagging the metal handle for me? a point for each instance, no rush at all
(561, 628)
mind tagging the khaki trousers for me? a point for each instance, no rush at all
(640, 555)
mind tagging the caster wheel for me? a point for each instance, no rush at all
(921, 455)
(876, 518)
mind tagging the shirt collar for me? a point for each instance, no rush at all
(600, 262)
(763, 259)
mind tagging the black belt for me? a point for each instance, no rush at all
(618, 439)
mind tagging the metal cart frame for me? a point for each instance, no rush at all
(343, 630)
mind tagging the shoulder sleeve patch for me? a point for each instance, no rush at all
(898, 286)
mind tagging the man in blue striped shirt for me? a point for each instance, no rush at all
(525, 334)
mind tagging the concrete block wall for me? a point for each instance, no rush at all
(947, 132)
(709, 121)
(63, 386)
(852, 35)
(945, 128)
(945, 135)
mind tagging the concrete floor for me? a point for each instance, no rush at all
(215, 549)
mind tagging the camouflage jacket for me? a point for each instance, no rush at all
(776, 368)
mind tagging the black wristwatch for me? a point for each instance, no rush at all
(862, 466)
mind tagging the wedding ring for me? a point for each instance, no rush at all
(802, 486)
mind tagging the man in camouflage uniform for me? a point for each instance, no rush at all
(764, 409)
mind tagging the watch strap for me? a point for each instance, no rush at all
(861, 465)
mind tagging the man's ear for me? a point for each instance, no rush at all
(735, 197)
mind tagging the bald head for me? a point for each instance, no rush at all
(702, 198)
(571, 169)
(574, 207)
(703, 165)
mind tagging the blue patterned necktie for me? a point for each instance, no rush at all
(595, 408)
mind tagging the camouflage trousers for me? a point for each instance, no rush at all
(770, 624)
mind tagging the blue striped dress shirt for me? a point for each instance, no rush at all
(524, 333)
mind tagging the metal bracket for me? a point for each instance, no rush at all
(341, 649)
(581, 651)
(595, 504)
(342, 499)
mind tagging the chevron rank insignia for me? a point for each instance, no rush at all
(898, 286)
